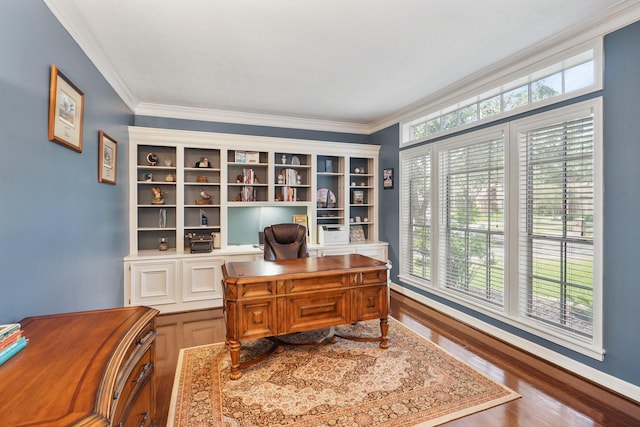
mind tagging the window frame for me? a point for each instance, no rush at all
(509, 312)
(535, 68)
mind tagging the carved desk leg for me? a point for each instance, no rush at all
(234, 351)
(384, 329)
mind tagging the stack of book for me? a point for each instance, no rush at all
(12, 341)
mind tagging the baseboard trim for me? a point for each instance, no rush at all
(577, 374)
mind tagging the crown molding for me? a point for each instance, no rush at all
(224, 116)
(616, 17)
(76, 26)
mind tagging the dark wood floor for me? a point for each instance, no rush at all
(550, 396)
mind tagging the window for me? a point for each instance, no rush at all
(565, 76)
(511, 216)
(472, 184)
(557, 174)
(416, 205)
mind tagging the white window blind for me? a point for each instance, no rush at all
(471, 239)
(416, 213)
(556, 247)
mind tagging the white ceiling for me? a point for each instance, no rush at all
(350, 61)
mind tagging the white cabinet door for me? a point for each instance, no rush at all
(202, 279)
(153, 282)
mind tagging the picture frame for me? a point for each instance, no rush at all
(302, 220)
(66, 111)
(252, 157)
(357, 197)
(108, 159)
(387, 178)
(328, 165)
(240, 157)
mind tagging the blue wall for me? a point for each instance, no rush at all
(621, 206)
(622, 203)
(62, 234)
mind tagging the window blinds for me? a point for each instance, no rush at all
(416, 209)
(556, 225)
(471, 239)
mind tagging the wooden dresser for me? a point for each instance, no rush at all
(93, 368)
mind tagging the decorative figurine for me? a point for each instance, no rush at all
(205, 195)
(203, 163)
(167, 162)
(163, 244)
(169, 177)
(158, 197)
(152, 159)
(205, 198)
(284, 159)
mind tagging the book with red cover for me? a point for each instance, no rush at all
(10, 339)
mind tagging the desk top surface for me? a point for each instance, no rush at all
(56, 378)
(300, 267)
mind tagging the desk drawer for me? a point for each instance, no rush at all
(313, 284)
(366, 278)
(139, 413)
(132, 390)
(314, 310)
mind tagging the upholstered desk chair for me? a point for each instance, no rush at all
(285, 241)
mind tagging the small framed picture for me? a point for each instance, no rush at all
(387, 178)
(253, 157)
(358, 197)
(328, 165)
(241, 157)
(108, 159)
(66, 111)
(302, 220)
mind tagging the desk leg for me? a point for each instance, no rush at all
(234, 351)
(384, 329)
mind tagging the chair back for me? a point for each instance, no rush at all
(285, 241)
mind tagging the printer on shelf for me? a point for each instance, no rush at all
(333, 234)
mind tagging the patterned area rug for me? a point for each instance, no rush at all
(413, 382)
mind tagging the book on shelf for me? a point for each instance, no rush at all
(13, 349)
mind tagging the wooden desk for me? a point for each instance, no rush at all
(92, 368)
(271, 298)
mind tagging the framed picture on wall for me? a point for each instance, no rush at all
(107, 159)
(66, 111)
(387, 178)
